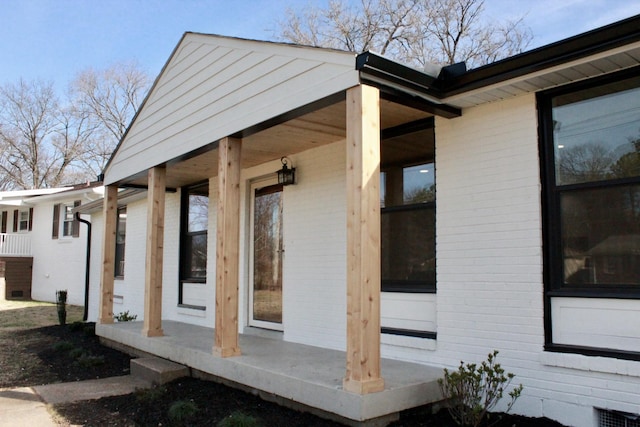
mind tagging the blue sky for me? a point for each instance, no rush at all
(55, 39)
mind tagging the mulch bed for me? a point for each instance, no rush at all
(32, 357)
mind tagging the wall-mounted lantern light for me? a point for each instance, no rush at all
(286, 176)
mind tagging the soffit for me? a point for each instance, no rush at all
(618, 59)
(321, 127)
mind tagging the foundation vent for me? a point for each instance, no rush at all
(617, 419)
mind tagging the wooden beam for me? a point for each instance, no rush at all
(154, 256)
(110, 214)
(363, 241)
(228, 248)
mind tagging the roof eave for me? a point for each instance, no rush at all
(394, 77)
(581, 46)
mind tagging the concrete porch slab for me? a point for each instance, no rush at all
(310, 376)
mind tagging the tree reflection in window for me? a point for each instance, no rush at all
(407, 199)
(194, 236)
(596, 150)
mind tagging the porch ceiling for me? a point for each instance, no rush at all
(320, 127)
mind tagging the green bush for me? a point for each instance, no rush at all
(181, 411)
(76, 352)
(63, 346)
(150, 394)
(87, 360)
(472, 391)
(239, 419)
(76, 326)
(125, 316)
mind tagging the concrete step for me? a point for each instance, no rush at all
(156, 370)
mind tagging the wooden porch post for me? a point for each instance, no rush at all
(110, 213)
(363, 241)
(228, 248)
(155, 244)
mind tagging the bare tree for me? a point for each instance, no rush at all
(47, 143)
(417, 32)
(108, 100)
(33, 157)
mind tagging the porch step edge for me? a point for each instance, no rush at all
(156, 370)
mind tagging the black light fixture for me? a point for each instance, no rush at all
(286, 176)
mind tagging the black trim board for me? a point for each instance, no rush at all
(593, 351)
(409, 333)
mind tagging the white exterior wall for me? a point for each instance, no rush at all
(58, 264)
(489, 266)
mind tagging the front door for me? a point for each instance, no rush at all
(265, 299)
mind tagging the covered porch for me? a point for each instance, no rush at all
(337, 105)
(302, 376)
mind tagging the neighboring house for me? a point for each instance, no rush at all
(41, 234)
(433, 219)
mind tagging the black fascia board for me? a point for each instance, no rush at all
(368, 63)
(388, 75)
(592, 42)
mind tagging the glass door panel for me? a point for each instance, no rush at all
(266, 304)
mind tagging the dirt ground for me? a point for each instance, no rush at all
(35, 350)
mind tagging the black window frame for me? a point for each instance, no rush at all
(185, 237)
(551, 193)
(120, 250)
(553, 274)
(410, 286)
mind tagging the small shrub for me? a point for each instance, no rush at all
(76, 353)
(125, 316)
(150, 394)
(89, 360)
(239, 419)
(63, 346)
(90, 330)
(181, 411)
(472, 391)
(76, 326)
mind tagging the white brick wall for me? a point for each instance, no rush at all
(315, 249)
(489, 264)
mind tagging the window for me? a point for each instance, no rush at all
(408, 204)
(591, 140)
(193, 248)
(3, 222)
(121, 234)
(65, 223)
(22, 220)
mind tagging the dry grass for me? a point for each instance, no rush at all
(33, 314)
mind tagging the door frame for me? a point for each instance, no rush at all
(251, 322)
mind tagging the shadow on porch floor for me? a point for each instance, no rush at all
(307, 375)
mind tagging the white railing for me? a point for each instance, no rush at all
(15, 244)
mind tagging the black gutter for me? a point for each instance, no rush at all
(454, 79)
(85, 313)
(378, 66)
(389, 75)
(590, 43)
